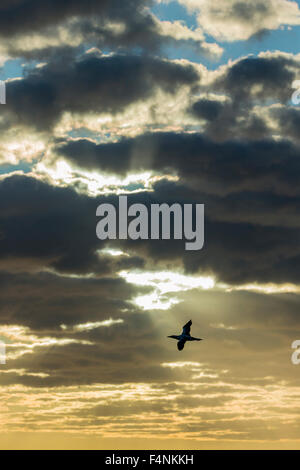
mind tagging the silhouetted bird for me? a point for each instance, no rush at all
(185, 336)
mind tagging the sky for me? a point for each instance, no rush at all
(186, 101)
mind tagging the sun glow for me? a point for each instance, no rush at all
(93, 325)
(21, 341)
(163, 284)
(94, 183)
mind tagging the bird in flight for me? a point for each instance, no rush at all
(185, 336)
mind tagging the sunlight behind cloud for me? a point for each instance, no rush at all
(21, 341)
(93, 325)
(93, 183)
(164, 283)
(269, 288)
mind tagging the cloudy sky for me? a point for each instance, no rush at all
(183, 101)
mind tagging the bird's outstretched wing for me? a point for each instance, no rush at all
(180, 345)
(187, 328)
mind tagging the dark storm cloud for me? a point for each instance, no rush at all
(93, 83)
(103, 354)
(247, 88)
(102, 23)
(262, 207)
(55, 227)
(48, 223)
(52, 227)
(250, 187)
(256, 217)
(288, 120)
(134, 351)
(248, 83)
(46, 226)
(23, 16)
(207, 109)
(225, 120)
(259, 78)
(110, 356)
(43, 302)
(248, 236)
(235, 253)
(82, 365)
(215, 167)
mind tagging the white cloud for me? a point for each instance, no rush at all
(235, 20)
(93, 325)
(181, 32)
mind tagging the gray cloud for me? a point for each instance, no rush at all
(264, 78)
(251, 249)
(219, 167)
(91, 84)
(228, 121)
(22, 16)
(58, 285)
(101, 23)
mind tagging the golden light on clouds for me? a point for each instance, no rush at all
(165, 284)
(127, 98)
(21, 341)
(217, 410)
(269, 288)
(61, 173)
(93, 325)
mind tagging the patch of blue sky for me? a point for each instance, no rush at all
(81, 132)
(25, 167)
(12, 68)
(285, 39)
(84, 133)
(174, 12)
(133, 187)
